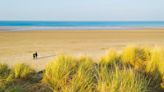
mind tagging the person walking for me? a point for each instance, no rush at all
(35, 55)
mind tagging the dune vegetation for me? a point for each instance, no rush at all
(134, 69)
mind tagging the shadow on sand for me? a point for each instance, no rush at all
(43, 57)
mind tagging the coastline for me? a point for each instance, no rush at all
(43, 28)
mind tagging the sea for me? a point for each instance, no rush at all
(43, 25)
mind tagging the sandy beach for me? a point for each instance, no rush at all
(18, 46)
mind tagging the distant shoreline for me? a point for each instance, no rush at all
(32, 28)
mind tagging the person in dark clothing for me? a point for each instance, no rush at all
(35, 55)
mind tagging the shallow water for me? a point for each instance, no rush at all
(68, 25)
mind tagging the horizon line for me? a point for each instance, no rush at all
(78, 21)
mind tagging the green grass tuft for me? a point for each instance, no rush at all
(4, 70)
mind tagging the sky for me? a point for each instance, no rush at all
(82, 10)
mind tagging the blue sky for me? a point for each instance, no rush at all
(82, 10)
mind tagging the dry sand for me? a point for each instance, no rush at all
(18, 46)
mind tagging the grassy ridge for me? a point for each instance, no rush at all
(133, 70)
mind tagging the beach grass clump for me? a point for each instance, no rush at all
(135, 57)
(21, 71)
(153, 64)
(155, 68)
(156, 62)
(85, 79)
(59, 72)
(4, 70)
(110, 58)
(4, 73)
(121, 80)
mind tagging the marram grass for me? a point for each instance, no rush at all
(134, 69)
(136, 57)
(110, 58)
(22, 71)
(59, 72)
(121, 80)
(85, 79)
(4, 70)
